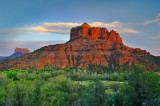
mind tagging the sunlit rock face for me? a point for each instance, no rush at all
(87, 45)
(95, 33)
(22, 50)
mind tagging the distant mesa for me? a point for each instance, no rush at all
(22, 50)
(95, 33)
(18, 52)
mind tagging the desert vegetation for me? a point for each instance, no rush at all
(93, 86)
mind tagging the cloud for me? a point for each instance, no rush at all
(157, 20)
(36, 29)
(115, 25)
(156, 37)
(155, 49)
(41, 29)
(158, 15)
(60, 28)
(129, 30)
(60, 25)
(97, 24)
(14, 30)
(151, 21)
(112, 24)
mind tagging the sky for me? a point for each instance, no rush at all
(33, 24)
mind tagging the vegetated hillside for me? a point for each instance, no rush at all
(87, 45)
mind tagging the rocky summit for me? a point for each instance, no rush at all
(95, 33)
(22, 50)
(87, 45)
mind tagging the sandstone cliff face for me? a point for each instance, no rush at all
(87, 45)
(95, 33)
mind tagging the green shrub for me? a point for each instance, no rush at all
(38, 72)
(12, 74)
(152, 102)
(116, 86)
(31, 78)
(113, 77)
(30, 71)
(117, 99)
(19, 70)
(67, 70)
(46, 69)
(94, 95)
(74, 76)
(2, 94)
(90, 73)
(4, 80)
(60, 91)
(17, 93)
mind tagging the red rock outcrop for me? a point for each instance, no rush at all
(95, 33)
(87, 45)
(22, 50)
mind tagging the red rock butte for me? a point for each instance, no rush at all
(22, 50)
(95, 33)
(87, 45)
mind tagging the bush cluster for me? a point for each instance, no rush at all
(79, 87)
